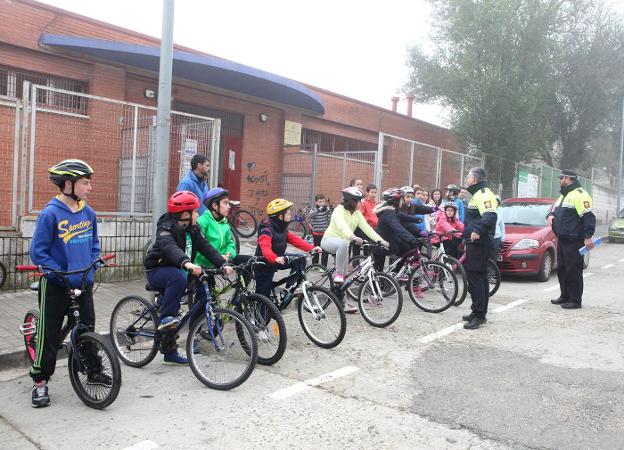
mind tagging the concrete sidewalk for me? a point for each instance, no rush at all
(14, 305)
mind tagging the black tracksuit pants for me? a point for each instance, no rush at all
(570, 270)
(53, 305)
(476, 271)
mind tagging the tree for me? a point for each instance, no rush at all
(523, 78)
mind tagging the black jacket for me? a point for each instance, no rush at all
(391, 229)
(480, 215)
(574, 219)
(170, 245)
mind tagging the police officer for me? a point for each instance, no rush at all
(479, 234)
(574, 223)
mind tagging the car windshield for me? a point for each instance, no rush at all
(532, 214)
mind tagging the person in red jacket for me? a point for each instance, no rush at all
(448, 222)
(368, 205)
(273, 238)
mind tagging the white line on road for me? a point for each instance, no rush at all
(608, 266)
(307, 384)
(438, 334)
(511, 305)
(621, 260)
(587, 274)
(143, 445)
(552, 288)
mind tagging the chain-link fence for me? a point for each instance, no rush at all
(120, 136)
(10, 115)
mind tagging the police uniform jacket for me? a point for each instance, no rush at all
(574, 219)
(480, 214)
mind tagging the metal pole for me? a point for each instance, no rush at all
(619, 187)
(379, 163)
(411, 166)
(314, 162)
(16, 155)
(135, 132)
(160, 178)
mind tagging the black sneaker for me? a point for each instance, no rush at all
(40, 397)
(571, 305)
(468, 317)
(474, 323)
(99, 379)
(558, 301)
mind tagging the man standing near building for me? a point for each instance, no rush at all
(478, 232)
(574, 223)
(196, 180)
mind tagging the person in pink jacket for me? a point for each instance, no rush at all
(448, 222)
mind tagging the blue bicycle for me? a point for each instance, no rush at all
(221, 345)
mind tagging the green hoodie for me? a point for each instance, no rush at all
(218, 234)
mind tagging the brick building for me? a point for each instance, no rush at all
(67, 52)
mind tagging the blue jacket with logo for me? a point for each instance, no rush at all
(65, 240)
(200, 188)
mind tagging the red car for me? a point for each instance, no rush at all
(530, 246)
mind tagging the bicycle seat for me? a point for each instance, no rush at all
(150, 288)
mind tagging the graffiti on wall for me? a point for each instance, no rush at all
(257, 188)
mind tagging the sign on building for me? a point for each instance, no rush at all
(292, 133)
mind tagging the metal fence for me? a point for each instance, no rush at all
(10, 116)
(120, 136)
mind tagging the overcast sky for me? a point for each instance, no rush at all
(354, 48)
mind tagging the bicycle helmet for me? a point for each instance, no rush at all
(72, 170)
(450, 205)
(182, 201)
(215, 195)
(277, 206)
(405, 190)
(453, 189)
(352, 193)
(392, 194)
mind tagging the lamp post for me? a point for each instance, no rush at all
(160, 178)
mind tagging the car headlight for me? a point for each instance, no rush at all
(524, 244)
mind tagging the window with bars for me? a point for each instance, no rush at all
(334, 143)
(12, 84)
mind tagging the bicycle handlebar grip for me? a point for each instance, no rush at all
(26, 267)
(108, 256)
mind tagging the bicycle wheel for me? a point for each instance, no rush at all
(355, 263)
(224, 361)
(380, 300)
(133, 331)
(3, 275)
(318, 275)
(494, 276)
(29, 330)
(94, 372)
(246, 224)
(433, 287)
(236, 241)
(322, 317)
(268, 324)
(462, 278)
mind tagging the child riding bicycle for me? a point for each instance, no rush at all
(65, 239)
(178, 241)
(273, 238)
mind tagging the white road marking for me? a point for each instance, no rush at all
(307, 384)
(511, 305)
(552, 288)
(143, 445)
(438, 334)
(621, 260)
(587, 274)
(608, 266)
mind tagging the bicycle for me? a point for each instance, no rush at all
(493, 272)
(299, 224)
(226, 340)
(438, 254)
(242, 221)
(263, 315)
(3, 274)
(378, 295)
(321, 316)
(94, 370)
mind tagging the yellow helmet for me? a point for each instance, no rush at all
(277, 206)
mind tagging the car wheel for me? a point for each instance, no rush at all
(546, 267)
(586, 260)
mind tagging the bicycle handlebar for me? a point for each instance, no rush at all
(49, 270)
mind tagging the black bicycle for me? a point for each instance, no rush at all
(221, 344)
(242, 222)
(263, 315)
(320, 313)
(94, 369)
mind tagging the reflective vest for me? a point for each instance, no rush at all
(574, 218)
(481, 215)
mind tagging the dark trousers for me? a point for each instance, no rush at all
(451, 247)
(476, 272)
(172, 282)
(264, 275)
(324, 256)
(494, 250)
(570, 270)
(53, 304)
(200, 290)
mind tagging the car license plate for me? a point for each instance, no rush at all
(499, 257)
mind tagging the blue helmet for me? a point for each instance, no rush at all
(215, 195)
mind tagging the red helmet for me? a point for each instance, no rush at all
(182, 201)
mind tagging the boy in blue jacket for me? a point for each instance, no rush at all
(65, 239)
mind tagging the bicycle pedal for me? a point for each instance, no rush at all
(28, 329)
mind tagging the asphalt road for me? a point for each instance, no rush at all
(535, 376)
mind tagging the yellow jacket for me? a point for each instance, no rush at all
(343, 223)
